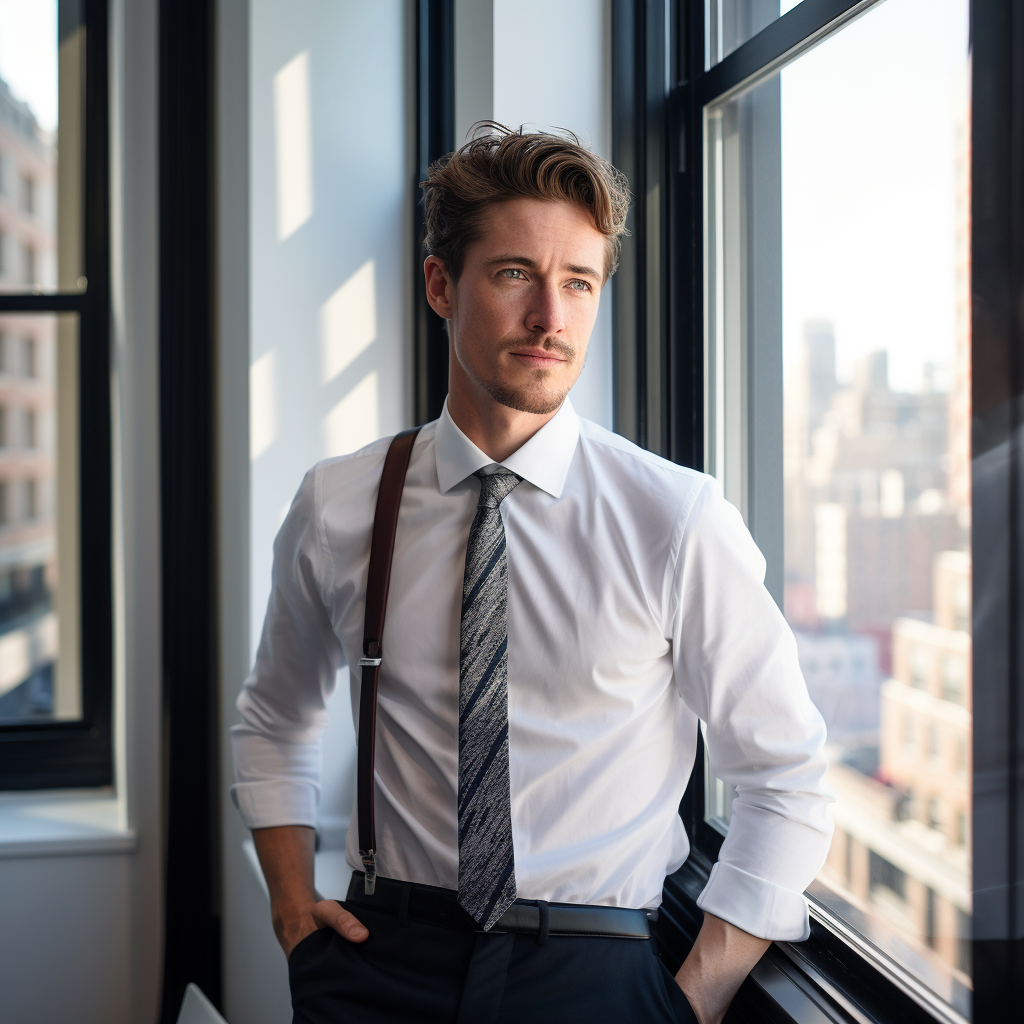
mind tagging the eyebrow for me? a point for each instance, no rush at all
(525, 261)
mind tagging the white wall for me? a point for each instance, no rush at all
(548, 66)
(81, 888)
(330, 270)
(315, 341)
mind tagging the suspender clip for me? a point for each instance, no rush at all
(371, 662)
(370, 867)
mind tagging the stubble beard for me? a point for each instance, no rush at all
(531, 397)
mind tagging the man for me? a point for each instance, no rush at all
(563, 607)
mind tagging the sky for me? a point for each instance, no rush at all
(28, 55)
(868, 164)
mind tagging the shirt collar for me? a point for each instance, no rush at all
(543, 461)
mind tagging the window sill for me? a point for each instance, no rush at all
(821, 981)
(63, 823)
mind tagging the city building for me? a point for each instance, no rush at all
(899, 864)
(28, 555)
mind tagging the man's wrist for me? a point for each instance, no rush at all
(721, 958)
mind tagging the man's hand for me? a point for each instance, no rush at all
(721, 958)
(292, 926)
(286, 856)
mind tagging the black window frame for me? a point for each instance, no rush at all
(660, 88)
(79, 754)
(435, 136)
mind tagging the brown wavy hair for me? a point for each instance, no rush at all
(499, 164)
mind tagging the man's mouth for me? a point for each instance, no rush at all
(538, 357)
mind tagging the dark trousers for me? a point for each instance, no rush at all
(414, 971)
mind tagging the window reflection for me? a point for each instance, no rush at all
(870, 224)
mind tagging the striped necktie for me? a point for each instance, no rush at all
(487, 879)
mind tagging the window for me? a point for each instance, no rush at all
(28, 356)
(29, 420)
(28, 262)
(885, 874)
(804, 252)
(28, 193)
(730, 23)
(55, 694)
(813, 168)
(31, 499)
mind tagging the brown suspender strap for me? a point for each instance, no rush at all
(378, 578)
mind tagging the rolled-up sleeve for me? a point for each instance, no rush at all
(737, 668)
(277, 744)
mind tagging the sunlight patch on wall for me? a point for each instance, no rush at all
(348, 321)
(355, 421)
(293, 139)
(262, 404)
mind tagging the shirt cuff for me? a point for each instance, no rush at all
(754, 904)
(275, 803)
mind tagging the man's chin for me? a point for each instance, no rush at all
(531, 399)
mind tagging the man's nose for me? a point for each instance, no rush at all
(546, 315)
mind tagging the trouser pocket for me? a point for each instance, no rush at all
(677, 998)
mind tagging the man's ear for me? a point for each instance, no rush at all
(440, 289)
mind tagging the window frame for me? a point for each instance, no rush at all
(79, 754)
(435, 136)
(660, 91)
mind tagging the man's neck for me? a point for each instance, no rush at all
(495, 429)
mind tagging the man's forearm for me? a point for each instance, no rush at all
(286, 857)
(721, 958)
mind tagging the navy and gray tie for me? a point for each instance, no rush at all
(487, 878)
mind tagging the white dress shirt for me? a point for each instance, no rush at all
(636, 605)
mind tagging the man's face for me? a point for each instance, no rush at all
(523, 308)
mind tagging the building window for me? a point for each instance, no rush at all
(954, 674)
(56, 699)
(31, 499)
(28, 194)
(29, 429)
(28, 259)
(929, 917)
(28, 357)
(886, 874)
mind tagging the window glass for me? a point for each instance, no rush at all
(41, 67)
(730, 23)
(39, 646)
(838, 405)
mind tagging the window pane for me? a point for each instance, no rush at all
(40, 679)
(838, 395)
(730, 23)
(41, 67)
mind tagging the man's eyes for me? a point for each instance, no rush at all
(515, 274)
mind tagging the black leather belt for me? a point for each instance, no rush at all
(532, 917)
